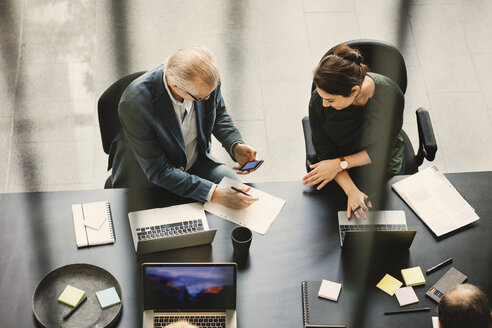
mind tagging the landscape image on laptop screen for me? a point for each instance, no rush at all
(189, 287)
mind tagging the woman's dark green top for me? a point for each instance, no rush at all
(374, 127)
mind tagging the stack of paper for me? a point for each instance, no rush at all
(389, 284)
(406, 296)
(108, 297)
(413, 276)
(71, 295)
(329, 290)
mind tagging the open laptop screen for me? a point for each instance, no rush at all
(189, 287)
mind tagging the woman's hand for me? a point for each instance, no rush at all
(357, 201)
(322, 172)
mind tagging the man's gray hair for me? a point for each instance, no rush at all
(191, 63)
(464, 306)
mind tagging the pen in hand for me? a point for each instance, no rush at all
(242, 192)
(366, 201)
(66, 316)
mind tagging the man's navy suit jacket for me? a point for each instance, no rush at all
(150, 149)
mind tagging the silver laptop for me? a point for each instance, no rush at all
(387, 228)
(203, 294)
(172, 227)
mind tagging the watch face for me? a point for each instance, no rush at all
(343, 164)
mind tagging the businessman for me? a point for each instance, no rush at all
(168, 116)
(464, 306)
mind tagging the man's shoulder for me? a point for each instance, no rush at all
(143, 89)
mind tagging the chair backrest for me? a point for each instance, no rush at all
(382, 58)
(107, 109)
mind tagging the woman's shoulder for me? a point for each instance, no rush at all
(384, 82)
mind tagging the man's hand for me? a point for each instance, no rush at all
(233, 199)
(243, 154)
(322, 173)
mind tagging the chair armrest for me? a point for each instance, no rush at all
(427, 140)
(311, 156)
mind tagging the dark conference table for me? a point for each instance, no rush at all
(301, 244)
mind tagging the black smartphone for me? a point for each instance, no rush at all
(252, 165)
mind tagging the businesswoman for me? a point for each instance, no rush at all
(356, 118)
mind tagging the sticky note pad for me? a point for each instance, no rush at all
(71, 295)
(330, 290)
(388, 284)
(108, 297)
(406, 295)
(413, 276)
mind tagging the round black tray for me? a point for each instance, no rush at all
(90, 278)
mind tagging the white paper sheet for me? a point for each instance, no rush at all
(258, 217)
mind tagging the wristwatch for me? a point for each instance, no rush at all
(343, 163)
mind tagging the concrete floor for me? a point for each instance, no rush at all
(58, 57)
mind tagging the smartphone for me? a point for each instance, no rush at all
(249, 166)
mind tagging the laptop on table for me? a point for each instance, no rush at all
(381, 229)
(202, 293)
(172, 227)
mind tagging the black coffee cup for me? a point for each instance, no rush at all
(241, 240)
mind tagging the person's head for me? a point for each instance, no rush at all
(339, 76)
(192, 73)
(464, 306)
(181, 324)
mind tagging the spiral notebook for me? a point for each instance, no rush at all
(436, 201)
(320, 312)
(93, 224)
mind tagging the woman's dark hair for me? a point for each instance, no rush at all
(340, 71)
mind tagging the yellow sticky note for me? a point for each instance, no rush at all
(388, 284)
(71, 295)
(413, 276)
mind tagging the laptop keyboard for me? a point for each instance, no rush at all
(199, 321)
(167, 230)
(371, 227)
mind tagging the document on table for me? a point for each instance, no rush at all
(434, 199)
(257, 217)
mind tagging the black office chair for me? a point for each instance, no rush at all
(385, 59)
(107, 110)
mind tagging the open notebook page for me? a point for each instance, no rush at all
(434, 199)
(258, 217)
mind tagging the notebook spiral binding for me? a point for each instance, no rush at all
(305, 304)
(435, 169)
(110, 219)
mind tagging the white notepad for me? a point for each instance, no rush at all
(329, 290)
(406, 296)
(93, 224)
(257, 217)
(434, 199)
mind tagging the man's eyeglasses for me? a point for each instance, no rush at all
(198, 98)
